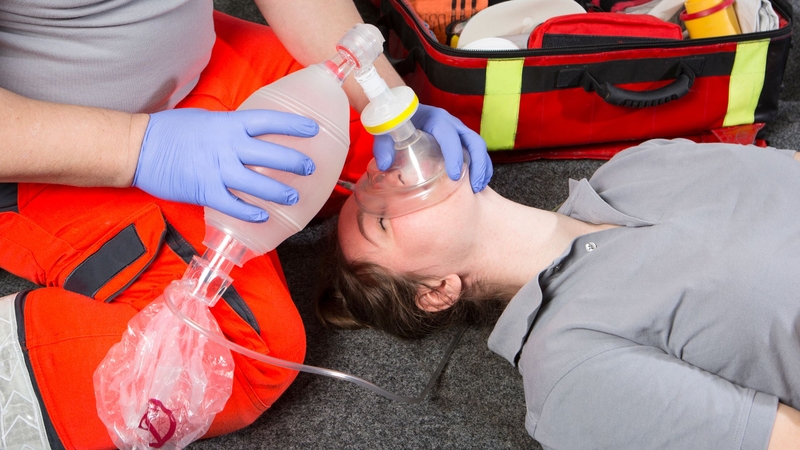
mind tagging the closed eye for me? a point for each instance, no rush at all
(380, 222)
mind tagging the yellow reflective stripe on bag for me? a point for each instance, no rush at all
(746, 83)
(500, 115)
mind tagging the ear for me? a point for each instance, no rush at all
(443, 295)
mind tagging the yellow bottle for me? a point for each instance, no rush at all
(710, 18)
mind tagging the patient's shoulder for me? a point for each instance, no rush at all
(665, 174)
(665, 154)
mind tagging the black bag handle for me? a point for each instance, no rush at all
(642, 99)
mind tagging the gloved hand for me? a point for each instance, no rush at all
(451, 134)
(195, 156)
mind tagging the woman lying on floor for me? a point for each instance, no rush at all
(658, 308)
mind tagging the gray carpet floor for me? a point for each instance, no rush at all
(478, 402)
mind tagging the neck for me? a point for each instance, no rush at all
(521, 241)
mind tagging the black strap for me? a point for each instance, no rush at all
(98, 269)
(553, 40)
(777, 56)
(8, 197)
(124, 249)
(185, 251)
(19, 307)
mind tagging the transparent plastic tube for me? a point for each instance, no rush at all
(219, 339)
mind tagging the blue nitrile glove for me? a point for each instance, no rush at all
(194, 156)
(451, 134)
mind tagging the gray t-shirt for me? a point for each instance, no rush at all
(681, 328)
(128, 55)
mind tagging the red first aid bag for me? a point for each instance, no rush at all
(614, 89)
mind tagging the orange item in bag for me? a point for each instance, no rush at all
(440, 13)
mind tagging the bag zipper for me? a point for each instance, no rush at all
(588, 49)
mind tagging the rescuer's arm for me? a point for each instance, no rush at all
(310, 30)
(65, 144)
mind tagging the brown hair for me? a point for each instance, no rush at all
(361, 294)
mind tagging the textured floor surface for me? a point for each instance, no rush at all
(477, 403)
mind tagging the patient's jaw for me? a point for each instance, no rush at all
(433, 240)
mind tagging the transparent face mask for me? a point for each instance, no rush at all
(416, 180)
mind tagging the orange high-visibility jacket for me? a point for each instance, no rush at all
(102, 254)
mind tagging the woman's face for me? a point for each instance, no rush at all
(434, 241)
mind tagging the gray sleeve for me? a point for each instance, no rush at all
(640, 398)
(789, 153)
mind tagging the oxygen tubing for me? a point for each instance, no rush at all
(219, 339)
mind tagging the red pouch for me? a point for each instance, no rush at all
(601, 28)
(613, 5)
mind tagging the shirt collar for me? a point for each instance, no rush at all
(513, 326)
(584, 203)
